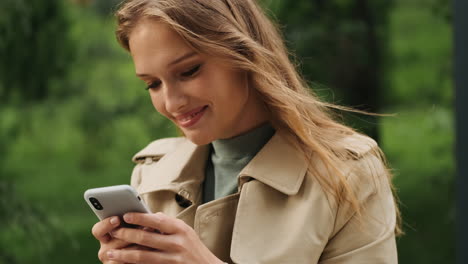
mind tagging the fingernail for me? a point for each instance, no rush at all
(110, 254)
(114, 220)
(128, 218)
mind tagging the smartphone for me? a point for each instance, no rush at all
(114, 201)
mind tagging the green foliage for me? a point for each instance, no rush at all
(341, 44)
(35, 51)
(105, 7)
(419, 144)
(34, 47)
(421, 59)
(419, 141)
(335, 38)
(72, 140)
(28, 234)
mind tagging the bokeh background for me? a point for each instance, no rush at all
(72, 112)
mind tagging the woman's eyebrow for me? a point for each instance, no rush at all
(183, 57)
(178, 60)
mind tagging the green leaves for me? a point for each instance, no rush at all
(34, 47)
(26, 231)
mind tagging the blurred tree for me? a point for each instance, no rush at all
(443, 8)
(342, 45)
(35, 52)
(105, 7)
(102, 7)
(26, 231)
(34, 47)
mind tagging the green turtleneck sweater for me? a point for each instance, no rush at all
(228, 157)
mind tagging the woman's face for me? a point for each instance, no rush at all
(204, 97)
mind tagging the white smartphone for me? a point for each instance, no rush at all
(114, 201)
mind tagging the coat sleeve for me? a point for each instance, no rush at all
(368, 238)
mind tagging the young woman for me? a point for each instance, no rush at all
(263, 173)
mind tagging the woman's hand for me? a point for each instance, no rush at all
(101, 232)
(176, 242)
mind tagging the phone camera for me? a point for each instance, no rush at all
(95, 203)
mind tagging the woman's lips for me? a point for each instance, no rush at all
(191, 118)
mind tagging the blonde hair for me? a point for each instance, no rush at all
(240, 32)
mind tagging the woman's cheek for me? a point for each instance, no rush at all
(158, 104)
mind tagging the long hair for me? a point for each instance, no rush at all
(239, 32)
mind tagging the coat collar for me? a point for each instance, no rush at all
(278, 165)
(182, 169)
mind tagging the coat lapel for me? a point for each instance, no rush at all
(278, 165)
(271, 205)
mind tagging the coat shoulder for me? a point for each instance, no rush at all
(362, 165)
(364, 155)
(365, 171)
(372, 229)
(358, 145)
(158, 148)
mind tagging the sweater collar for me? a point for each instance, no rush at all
(247, 144)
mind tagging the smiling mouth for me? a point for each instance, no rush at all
(187, 118)
(191, 118)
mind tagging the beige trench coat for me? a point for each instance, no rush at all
(280, 214)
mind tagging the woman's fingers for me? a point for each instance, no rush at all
(158, 221)
(176, 243)
(101, 229)
(114, 244)
(144, 238)
(140, 256)
(117, 243)
(112, 262)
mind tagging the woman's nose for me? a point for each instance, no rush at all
(175, 99)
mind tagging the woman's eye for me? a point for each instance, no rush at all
(192, 71)
(153, 85)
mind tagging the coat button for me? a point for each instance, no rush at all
(181, 200)
(148, 160)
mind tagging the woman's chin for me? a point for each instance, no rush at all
(198, 138)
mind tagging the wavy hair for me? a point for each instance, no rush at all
(239, 32)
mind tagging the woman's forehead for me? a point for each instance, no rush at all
(156, 33)
(153, 42)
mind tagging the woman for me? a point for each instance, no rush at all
(263, 173)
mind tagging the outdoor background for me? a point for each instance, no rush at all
(72, 112)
